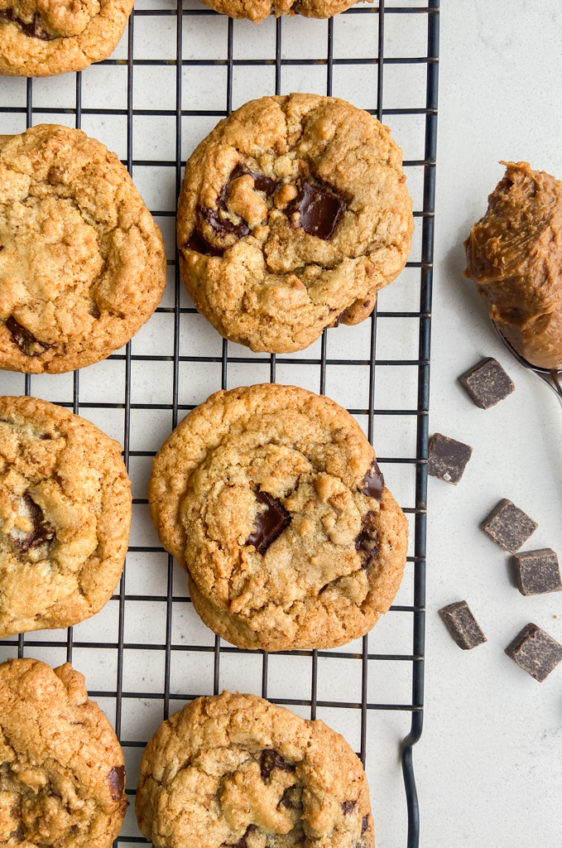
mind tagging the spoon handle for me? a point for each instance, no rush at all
(552, 380)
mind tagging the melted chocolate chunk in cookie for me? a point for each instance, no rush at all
(242, 842)
(41, 531)
(268, 524)
(319, 208)
(270, 760)
(33, 28)
(347, 807)
(261, 182)
(364, 824)
(116, 781)
(290, 798)
(373, 482)
(25, 339)
(200, 244)
(367, 542)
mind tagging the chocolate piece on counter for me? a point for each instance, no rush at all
(269, 524)
(537, 572)
(447, 458)
(487, 383)
(535, 652)
(372, 484)
(462, 625)
(508, 526)
(320, 210)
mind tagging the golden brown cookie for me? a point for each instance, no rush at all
(271, 498)
(258, 10)
(514, 254)
(65, 512)
(62, 771)
(293, 213)
(82, 263)
(235, 770)
(43, 37)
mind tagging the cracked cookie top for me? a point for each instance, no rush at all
(293, 212)
(258, 10)
(235, 770)
(82, 263)
(62, 771)
(65, 512)
(43, 37)
(270, 496)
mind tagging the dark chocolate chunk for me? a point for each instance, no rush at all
(200, 244)
(367, 542)
(537, 572)
(347, 806)
(487, 383)
(269, 524)
(290, 798)
(33, 29)
(94, 311)
(319, 208)
(372, 484)
(261, 182)
(116, 781)
(42, 531)
(447, 458)
(223, 226)
(365, 824)
(25, 339)
(535, 652)
(508, 525)
(270, 760)
(242, 842)
(462, 625)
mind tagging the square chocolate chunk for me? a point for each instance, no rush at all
(508, 525)
(487, 383)
(535, 652)
(537, 572)
(447, 458)
(462, 625)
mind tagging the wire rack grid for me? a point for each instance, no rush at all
(177, 70)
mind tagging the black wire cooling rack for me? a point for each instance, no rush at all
(23, 103)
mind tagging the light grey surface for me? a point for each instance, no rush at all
(488, 766)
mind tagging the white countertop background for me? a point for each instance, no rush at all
(488, 765)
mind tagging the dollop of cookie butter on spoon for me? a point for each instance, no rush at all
(514, 254)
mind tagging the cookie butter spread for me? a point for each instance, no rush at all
(514, 254)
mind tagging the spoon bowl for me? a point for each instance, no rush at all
(551, 377)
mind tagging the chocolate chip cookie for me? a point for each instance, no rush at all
(62, 772)
(235, 770)
(82, 263)
(270, 496)
(258, 10)
(293, 213)
(43, 37)
(65, 512)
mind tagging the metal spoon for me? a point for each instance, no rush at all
(550, 377)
